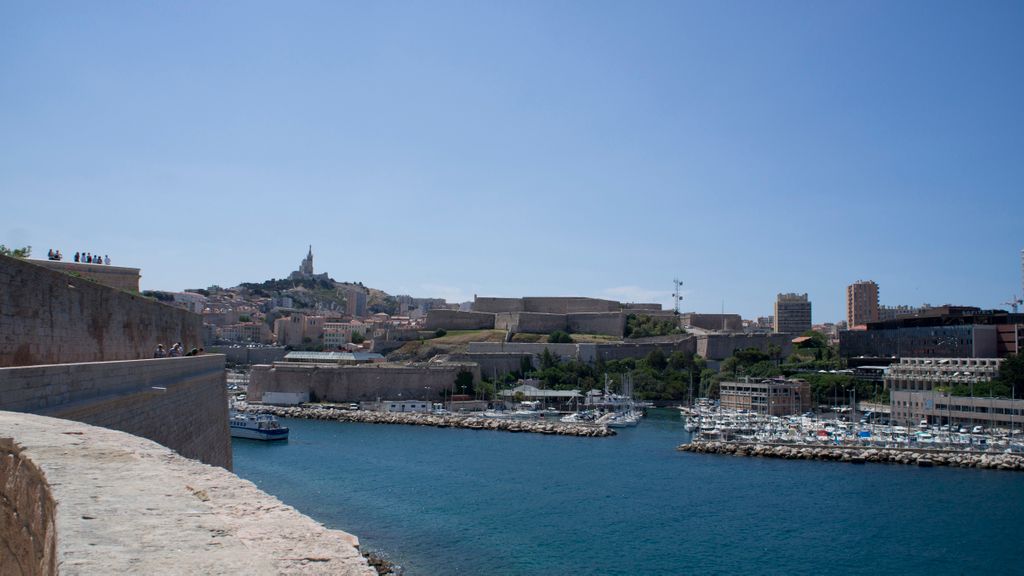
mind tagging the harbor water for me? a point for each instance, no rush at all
(451, 501)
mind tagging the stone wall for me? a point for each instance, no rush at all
(630, 350)
(606, 323)
(731, 322)
(581, 352)
(117, 277)
(48, 317)
(126, 505)
(721, 346)
(495, 305)
(501, 363)
(332, 383)
(28, 535)
(456, 320)
(539, 323)
(178, 402)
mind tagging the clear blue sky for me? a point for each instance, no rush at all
(526, 148)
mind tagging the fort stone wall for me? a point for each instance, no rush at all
(48, 317)
(495, 305)
(178, 402)
(332, 383)
(606, 323)
(721, 346)
(457, 320)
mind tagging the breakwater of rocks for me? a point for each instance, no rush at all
(436, 420)
(860, 455)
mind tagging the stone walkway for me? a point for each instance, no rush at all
(126, 505)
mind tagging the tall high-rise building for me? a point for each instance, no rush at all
(792, 313)
(861, 303)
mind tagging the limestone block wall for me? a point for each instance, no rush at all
(495, 305)
(47, 317)
(568, 305)
(332, 383)
(456, 320)
(28, 534)
(631, 350)
(87, 500)
(538, 323)
(607, 323)
(118, 277)
(178, 402)
(721, 346)
(581, 352)
(501, 363)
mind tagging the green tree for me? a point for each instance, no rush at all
(1011, 374)
(548, 360)
(656, 359)
(464, 382)
(559, 337)
(358, 338)
(24, 252)
(440, 333)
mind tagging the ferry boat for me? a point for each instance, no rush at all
(257, 427)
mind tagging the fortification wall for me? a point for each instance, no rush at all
(87, 500)
(721, 346)
(117, 277)
(501, 363)
(568, 305)
(330, 383)
(636, 306)
(539, 323)
(713, 321)
(456, 320)
(495, 305)
(178, 402)
(28, 534)
(607, 323)
(631, 350)
(48, 317)
(581, 352)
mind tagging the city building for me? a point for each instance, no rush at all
(337, 334)
(355, 301)
(917, 374)
(773, 397)
(940, 332)
(861, 303)
(921, 390)
(792, 313)
(299, 329)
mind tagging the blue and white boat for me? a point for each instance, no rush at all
(257, 427)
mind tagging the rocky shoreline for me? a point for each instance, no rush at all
(860, 455)
(553, 427)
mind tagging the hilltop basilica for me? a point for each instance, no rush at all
(305, 271)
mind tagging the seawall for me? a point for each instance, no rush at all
(438, 421)
(860, 454)
(80, 499)
(178, 402)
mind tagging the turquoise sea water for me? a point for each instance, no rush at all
(444, 501)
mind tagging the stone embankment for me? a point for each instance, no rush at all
(860, 455)
(437, 420)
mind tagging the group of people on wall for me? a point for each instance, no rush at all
(176, 350)
(81, 257)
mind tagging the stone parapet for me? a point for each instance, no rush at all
(119, 277)
(178, 402)
(126, 505)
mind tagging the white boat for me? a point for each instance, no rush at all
(257, 427)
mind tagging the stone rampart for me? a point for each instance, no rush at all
(539, 323)
(48, 317)
(334, 383)
(581, 352)
(87, 500)
(118, 277)
(178, 402)
(495, 305)
(501, 363)
(28, 535)
(606, 323)
(721, 346)
(568, 305)
(457, 320)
